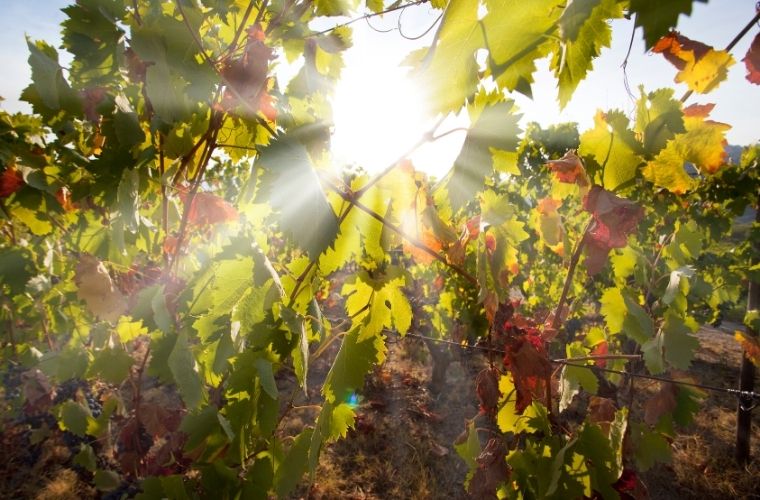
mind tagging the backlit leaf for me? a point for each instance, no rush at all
(294, 189)
(700, 66)
(752, 61)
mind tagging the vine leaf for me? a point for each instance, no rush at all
(97, 289)
(449, 71)
(11, 181)
(614, 219)
(584, 29)
(182, 366)
(658, 119)
(656, 18)
(487, 389)
(702, 144)
(752, 61)
(49, 91)
(623, 314)
(700, 66)
(294, 190)
(494, 128)
(569, 169)
(612, 146)
(492, 470)
(208, 209)
(516, 35)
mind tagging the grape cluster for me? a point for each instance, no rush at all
(12, 381)
(68, 391)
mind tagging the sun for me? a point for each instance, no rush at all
(377, 113)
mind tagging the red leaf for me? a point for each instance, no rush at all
(600, 349)
(614, 219)
(492, 470)
(246, 77)
(530, 368)
(10, 181)
(752, 61)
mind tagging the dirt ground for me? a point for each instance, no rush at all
(402, 447)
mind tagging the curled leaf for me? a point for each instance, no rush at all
(487, 389)
(614, 219)
(569, 169)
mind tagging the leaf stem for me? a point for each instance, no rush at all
(570, 272)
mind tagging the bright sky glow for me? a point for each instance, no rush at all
(376, 113)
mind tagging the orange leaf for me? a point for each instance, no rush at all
(63, 195)
(208, 209)
(752, 61)
(569, 169)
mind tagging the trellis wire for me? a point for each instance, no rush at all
(744, 396)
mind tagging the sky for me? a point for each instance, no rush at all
(376, 115)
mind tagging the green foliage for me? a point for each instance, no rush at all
(171, 230)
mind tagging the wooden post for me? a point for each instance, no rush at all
(747, 373)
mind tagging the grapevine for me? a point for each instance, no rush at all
(173, 235)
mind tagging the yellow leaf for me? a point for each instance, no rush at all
(701, 67)
(703, 145)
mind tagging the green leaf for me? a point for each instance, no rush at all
(656, 18)
(288, 474)
(658, 119)
(128, 199)
(354, 360)
(16, 268)
(623, 314)
(449, 71)
(86, 458)
(266, 377)
(49, 91)
(494, 129)
(73, 418)
(612, 146)
(106, 480)
(182, 366)
(112, 365)
(585, 31)
(651, 447)
(297, 327)
(469, 449)
(294, 189)
(678, 344)
(507, 417)
(517, 34)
